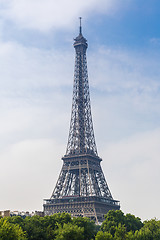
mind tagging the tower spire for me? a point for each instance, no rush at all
(80, 26)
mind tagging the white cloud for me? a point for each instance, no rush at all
(132, 166)
(23, 67)
(126, 84)
(117, 70)
(29, 91)
(51, 14)
(29, 170)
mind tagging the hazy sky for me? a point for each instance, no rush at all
(36, 77)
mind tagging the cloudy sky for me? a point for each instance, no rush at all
(36, 77)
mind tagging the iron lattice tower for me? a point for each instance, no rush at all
(81, 188)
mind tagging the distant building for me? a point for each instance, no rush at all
(23, 214)
(39, 213)
(5, 213)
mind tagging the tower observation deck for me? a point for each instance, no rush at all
(81, 188)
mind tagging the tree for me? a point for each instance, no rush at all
(114, 218)
(34, 228)
(90, 229)
(10, 231)
(51, 223)
(120, 232)
(103, 236)
(132, 223)
(16, 220)
(150, 231)
(69, 232)
(116, 226)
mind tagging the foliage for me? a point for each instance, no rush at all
(16, 220)
(132, 223)
(150, 231)
(34, 228)
(90, 229)
(114, 218)
(44, 227)
(69, 232)
(129, 227)
(116, 226)
(103, 236)
(9, 231)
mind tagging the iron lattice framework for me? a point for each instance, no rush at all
(81, 135)
(81, 188)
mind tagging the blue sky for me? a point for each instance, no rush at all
(36, 77)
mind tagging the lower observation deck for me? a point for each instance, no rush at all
(92, 206)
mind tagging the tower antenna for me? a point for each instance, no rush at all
(80, 27)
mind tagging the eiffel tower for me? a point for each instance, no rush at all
(81, 189)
